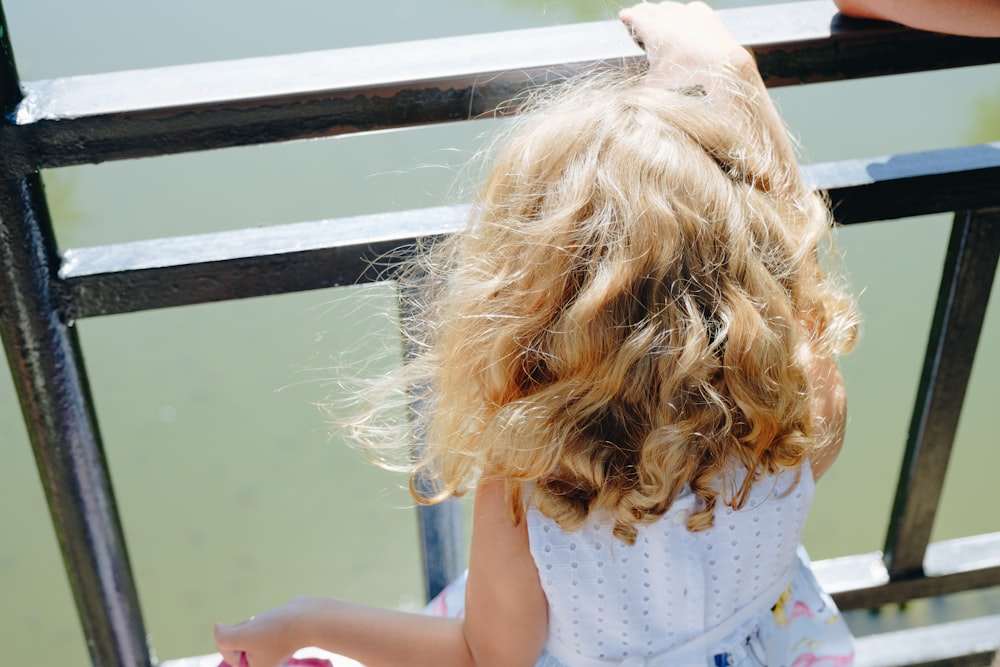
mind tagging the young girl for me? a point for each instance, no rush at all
(628, 353)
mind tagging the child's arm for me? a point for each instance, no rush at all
(829, 410)
(974, 18)
(504, 626)
(506, 612)
(687, 45)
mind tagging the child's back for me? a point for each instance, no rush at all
(608, 600)
(637, 317)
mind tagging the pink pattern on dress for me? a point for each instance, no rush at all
(813, 660)
(802, 609)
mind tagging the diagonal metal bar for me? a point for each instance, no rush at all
(47, 368)
(966, 282)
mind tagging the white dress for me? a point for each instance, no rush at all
(615, 604)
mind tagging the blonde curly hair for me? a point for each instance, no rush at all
(623, 317)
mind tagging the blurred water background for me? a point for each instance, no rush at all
(234, 493)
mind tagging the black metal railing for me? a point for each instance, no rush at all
(117, 116)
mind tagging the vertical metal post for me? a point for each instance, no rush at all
(47, 368)
(970, 267)
(10, 83)
(440, 525)
(440, 544)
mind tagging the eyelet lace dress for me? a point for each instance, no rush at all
(675, 597)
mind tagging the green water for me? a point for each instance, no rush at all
(233, 492)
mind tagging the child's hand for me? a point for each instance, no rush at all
(682, 37)
(690, 50)
(268, 639)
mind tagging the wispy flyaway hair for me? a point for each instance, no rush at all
(628, 312)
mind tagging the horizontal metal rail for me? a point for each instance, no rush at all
(135, 276)
(863, 581)
(201, 268)
(969, 643)
(95, 118)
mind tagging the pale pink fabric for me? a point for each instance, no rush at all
(291, 662)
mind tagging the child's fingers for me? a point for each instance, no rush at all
(681, 37)
(248, 644)
(228, 644)
(231, 658)
(630, 17)
(636, 37)
(224, 637)
(646, 21)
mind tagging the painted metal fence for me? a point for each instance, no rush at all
(118, 116)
